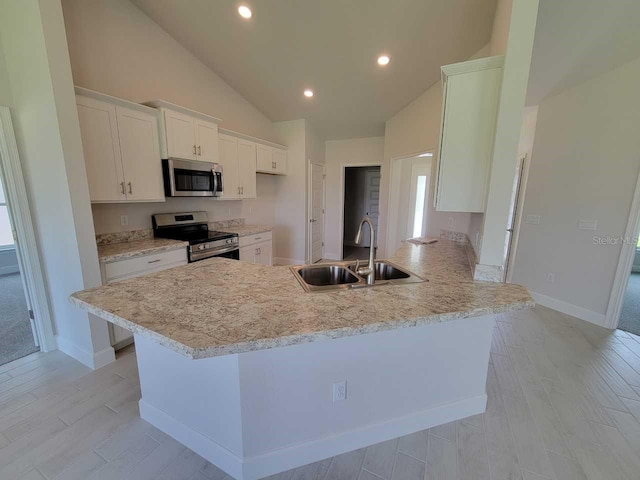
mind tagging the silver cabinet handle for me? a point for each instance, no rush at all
(273, 165)
(313, 220)
(155, 261)
(258, 238)
(238, 190)
(122, 187)
(130, 189)
(194, 149)
(242, 190)
(199, 150)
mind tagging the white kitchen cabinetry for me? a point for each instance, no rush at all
(186, 133)
(121, 149)
(257, 249)
(135, 267)
(238, 160)
(271, 160)
(470, 107)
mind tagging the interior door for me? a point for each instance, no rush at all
(229, 160)
(316, 229)
(101, 147)
(140, 150)
(181, 140)
(206, 141)
(372, 201)
(417, 213)
(513, 212)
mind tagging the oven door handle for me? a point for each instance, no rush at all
(200, 255)
(215, 182)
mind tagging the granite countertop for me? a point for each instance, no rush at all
(137, 248)
(245, 230)
(256, 307)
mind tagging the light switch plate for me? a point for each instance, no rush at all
(587, 224)
(532, 219)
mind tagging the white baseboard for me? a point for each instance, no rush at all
(253, 468)
(280, 261)
(91, 360)
(332, 256)
(9, 269)
(570, 309)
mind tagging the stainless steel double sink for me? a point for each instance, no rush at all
(342, 276)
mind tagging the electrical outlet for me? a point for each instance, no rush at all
(340, 391)
(124, 220)
(452, 223)
(550, 277)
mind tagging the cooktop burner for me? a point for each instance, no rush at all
(199, 236)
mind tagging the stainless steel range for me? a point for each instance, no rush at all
(193, 227)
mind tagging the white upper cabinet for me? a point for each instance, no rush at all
(470, 106)
(271, 160)
(121, 149)
(180, 134)
(238, 160)
(187, 134)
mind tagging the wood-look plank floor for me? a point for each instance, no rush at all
(564, 404)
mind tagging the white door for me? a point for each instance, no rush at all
(229, 160)
(280, 161)
(140, 150)
(101, 147)
(181, 140)
(417, 214)
(247, 168)
(371, 202)
(316, 208)
(513, 213)
(248, 254)
(263, 253)
(206, 141)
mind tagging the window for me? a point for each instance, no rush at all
(418, 216)
(6, 237)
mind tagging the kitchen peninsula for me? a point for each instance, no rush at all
(239, 364)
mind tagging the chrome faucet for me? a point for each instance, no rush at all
(369, 270)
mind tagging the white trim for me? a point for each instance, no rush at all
(515, 235)
(9, 269)
(244, 136)
(309, 208)
(393, 199)
(91, 360)
(625, 263)
(471, 66)
(28, 254)
(184, 110)
(570, 309)
(103, 97)
(253, 468)
(343, 166)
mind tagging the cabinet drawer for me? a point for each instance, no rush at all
(251, 239)
(141, 265)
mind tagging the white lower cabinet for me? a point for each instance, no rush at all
(136, 267)
(257, 249)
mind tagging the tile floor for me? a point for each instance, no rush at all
(564, 404)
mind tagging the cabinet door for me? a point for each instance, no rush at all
(140, 149)
(264, 253)
(101, 147)
(470, 109)
(206, 141)
(229, 161)
(248, 254)
(280, 161)
(181, 139)
(265, 159)
(247, 168)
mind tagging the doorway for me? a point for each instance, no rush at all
(316, 212)
(361, 198)
(17, 330)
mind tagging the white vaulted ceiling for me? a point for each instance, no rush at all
(330, 46)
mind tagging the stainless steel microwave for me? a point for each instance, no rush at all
(192, 178)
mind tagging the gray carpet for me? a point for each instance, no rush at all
(630, 315)
(16, 339)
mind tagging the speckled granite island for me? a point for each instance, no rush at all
(244, 367)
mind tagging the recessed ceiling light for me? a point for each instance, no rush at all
(308, 93)
(383, 60)
(426, 155)
(244, 11)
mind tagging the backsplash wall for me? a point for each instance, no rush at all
(106, 217)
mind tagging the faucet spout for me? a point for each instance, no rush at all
(369, 270)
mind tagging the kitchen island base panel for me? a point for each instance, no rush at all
(258, 413)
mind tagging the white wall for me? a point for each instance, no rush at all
(116, 49)
(48, 135)
(585, 164)
(356, 151)
(290, 204)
